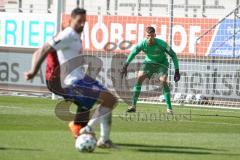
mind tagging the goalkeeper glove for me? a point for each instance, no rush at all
(123, 71)
(177, 75)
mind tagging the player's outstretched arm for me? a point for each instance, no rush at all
(37, 60)
(131, 56)
(173, 55)
(60, 41)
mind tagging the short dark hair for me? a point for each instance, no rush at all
(150, 29)
(78, 11)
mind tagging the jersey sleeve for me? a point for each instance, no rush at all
(134, 52)
(173, 55)
(62, 40)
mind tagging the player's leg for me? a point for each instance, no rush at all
(106, 121)
(105, 129)
(137, 90)
(82, 115)
(107, 103)
(103, 116)
(166, 92)
(89, 91)
(80, 120)
(86, 93)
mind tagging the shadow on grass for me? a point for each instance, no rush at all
(168, 147)
(186, 152)
(175, 149)
(95, 152)
(39, 150)
(19, 149)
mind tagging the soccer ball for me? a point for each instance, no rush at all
(85, 143)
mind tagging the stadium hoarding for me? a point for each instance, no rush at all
(113, 30)
(226, 42)
(32, 30)
(26, 30)
(215, 78)
(12, 67)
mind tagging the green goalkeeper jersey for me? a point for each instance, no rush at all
(155, 53)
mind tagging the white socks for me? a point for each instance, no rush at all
(98, 115)
(105, 127)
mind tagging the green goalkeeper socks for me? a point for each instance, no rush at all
(167, 97)
(136, 93)
(137, 90)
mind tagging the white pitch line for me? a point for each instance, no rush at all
(16, 107)
(218, 123)
(25, 110)
(118, 116)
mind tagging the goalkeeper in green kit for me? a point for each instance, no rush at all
(155, 62)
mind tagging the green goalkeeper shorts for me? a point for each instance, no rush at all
(150, 69)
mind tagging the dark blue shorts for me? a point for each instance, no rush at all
(84, 92)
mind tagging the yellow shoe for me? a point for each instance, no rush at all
(74, 128)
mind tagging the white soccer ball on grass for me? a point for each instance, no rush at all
(86, 143)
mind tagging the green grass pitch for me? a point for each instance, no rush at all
(29, 130)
